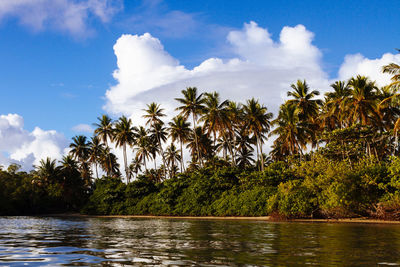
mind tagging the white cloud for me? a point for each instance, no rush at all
(67, 15)
(358, 64)
(83, 128)
(27, 148)
(263, 68)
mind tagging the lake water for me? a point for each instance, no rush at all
(53, 241)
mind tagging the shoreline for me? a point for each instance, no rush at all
(234, 218)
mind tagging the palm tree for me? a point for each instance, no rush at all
(291, 132)
(215, 118)
(335, 105)
(153, 114)
(179, 130)
(192, 104)
(135, 166)
(204, 145)
(143, 145)
(48, 170)
(172, 157)
(95, 151)
(158, 132)
(104, 129)
(123, 135)
(304, 100)
(257, 119)
(393, 69)
(79, 148)
(362, 102)
(109, 163)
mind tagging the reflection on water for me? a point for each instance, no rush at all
(122, 242)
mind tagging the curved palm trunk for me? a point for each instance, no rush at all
(195, 140)
(182, 166)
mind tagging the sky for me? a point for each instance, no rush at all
(63, 63)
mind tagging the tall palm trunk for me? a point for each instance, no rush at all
(195, 140)
(97, 173)
(126, 164)
(261, 154)
(182, 166)
(230, 148)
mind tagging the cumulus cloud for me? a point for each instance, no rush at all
(262, 68)
(17, 145)
(358, 64)
(83, 128)
(66, 15)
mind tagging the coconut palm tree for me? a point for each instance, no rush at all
(393, 69)
(154, 113)
(48, 171)
(304, 100)
(142, 145)
(179, 130)
(123, 136)
(79, 148)
(172, 157)
(336, 104)
(109, 163)
(215, 118)
(135, 166)
(362, 104)
(290, 131)
(204, 145)
(95, 150)
(104, 129)
(257, 123)
(192, 104)
(158, 132)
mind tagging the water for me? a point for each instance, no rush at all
(122, 242)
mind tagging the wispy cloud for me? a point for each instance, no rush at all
(82, 128)
(68, 16)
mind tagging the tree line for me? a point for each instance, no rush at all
(321, 145)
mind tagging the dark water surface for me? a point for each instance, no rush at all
(47, 241)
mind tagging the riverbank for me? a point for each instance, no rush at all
(248, 218)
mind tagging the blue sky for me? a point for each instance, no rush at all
(55, 76)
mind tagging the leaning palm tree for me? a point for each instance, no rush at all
(179, 130)
(123, 136)
(95, 151)
(192, 104)
(104, 129)
(257, 119)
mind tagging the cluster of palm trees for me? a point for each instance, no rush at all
(211, 129)
(304, 121)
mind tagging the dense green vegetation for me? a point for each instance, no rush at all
(336, 156)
